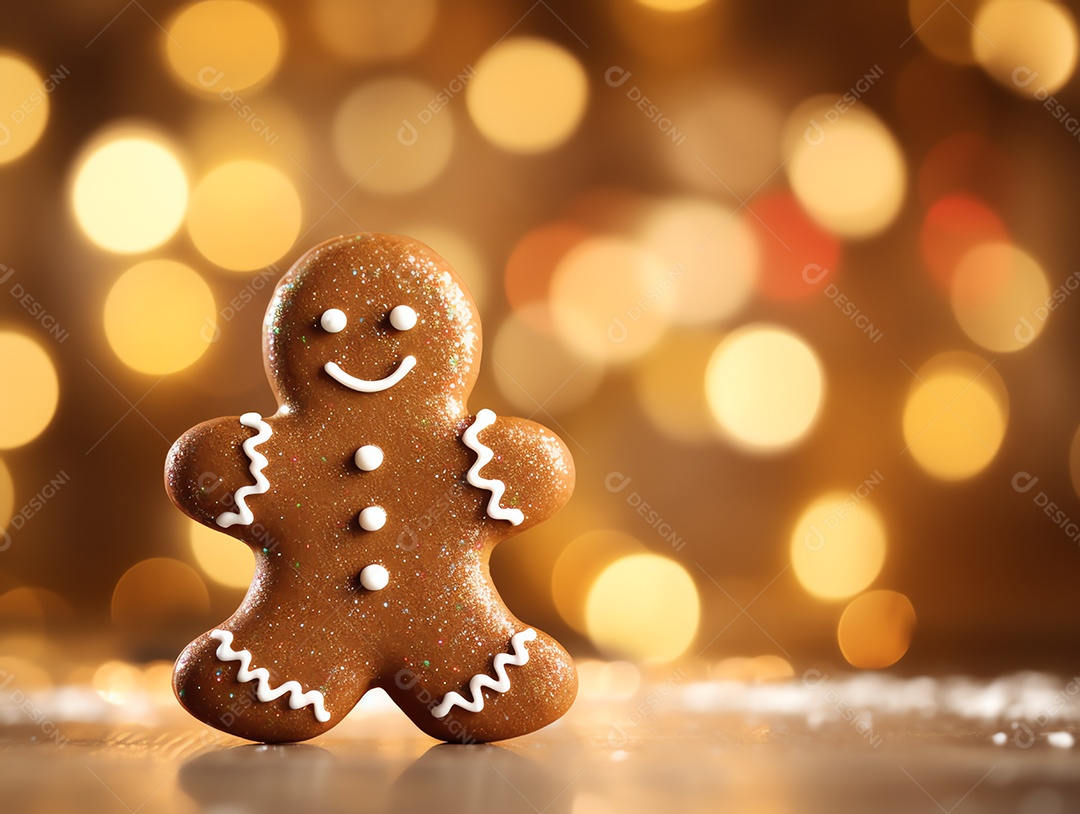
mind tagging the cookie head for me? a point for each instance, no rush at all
(368, 315)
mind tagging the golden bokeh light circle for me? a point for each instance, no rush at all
(217, 46)
(24, 105)
(7, 495)
(713, 254)
(1000, 296)
(743, 124)
(158, 591)
(875, 629)
(955, 415)
(226, 561)
(373, 30)
(765, 387)
(532, 264)
(837, 545)
(945, 29)
(528, 95)
(533, 367)
(31, 609)
(130, 192)
(846, 169)
(668, 379)
(214, 134)
(1028, 46)
(29, 389)
(611, 299)
(387, 137)
(578, 566)
(644, 608)
(160, 317)
(21, 608)
(244, 215)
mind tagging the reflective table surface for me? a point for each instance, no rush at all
(812, 743)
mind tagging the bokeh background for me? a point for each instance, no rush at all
(795, 282)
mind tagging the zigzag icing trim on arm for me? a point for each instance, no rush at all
(297, 697)
(484, 419)
(479, 681)
(258, 464)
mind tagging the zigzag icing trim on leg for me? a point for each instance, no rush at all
(258, 464)
(484, 419)
(264, 692)
(480, 680)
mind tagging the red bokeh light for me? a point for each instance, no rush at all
(790, 244)
(953, 226)
(532, 263)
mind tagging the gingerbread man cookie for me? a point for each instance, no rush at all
(372, 500)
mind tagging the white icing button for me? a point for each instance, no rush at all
(374, 577)
(373, 518)
(369, 457)
(333, 321)
(403, 318)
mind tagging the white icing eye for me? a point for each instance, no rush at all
(374, 577)
(369, 457)
(403, 317)
(373, 518)
(333, 321)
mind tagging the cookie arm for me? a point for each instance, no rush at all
(208, 466)
(531, 463)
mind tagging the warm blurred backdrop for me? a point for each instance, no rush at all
(795, 282)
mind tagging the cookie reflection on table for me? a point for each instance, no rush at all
(451, 778)
(302, 777)
(270, 778)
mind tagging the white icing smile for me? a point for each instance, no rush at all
(334, 320)
(370, 385)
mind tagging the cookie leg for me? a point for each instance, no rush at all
(242, 681)
(529, 682)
